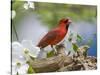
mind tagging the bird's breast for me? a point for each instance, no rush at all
(59, 37)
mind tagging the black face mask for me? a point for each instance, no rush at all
(67, 26)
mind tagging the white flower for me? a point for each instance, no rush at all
(20, 68)
(31, 4)
(20, 54)
(24, 49)
(28, 5)
(13, 14)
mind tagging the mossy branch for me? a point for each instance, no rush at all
(62, 62)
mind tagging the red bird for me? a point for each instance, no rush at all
(56, 35)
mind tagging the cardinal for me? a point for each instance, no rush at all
(54, 36)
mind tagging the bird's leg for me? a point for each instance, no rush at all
(42, 54)
(54, 49)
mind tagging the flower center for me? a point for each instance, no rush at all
(26, 51)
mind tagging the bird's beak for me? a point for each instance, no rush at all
(69, 21)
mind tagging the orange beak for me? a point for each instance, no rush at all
(69, 21)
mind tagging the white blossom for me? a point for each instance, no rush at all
(20, 67)
(13, 14)
(28, 5)
(24, 46)
(21, 53)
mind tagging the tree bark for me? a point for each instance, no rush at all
(61, 62)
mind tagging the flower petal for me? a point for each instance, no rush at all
(35, 51)
(42, 54)
(23, 69)
(32, 48)
(17, 46)
(17, 57)
(17, 51)
(27, 43)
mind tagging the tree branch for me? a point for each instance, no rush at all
(62, 62)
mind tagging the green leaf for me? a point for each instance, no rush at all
(30, 70)
(90, 41)
(79, 38)
(50, 54)
(75, 46)
(85, 53)
(70, 37)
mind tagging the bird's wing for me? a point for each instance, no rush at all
(48, 38)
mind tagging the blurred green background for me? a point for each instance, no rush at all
(51, 13)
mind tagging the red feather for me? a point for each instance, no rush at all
(56, 35)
